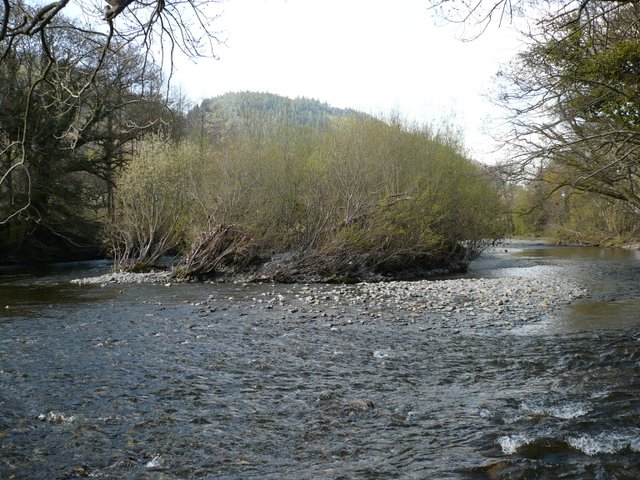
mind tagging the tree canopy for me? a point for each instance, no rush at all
(572, 98)
(67, 76)
(574, 101)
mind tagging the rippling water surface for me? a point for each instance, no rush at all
(231, 381)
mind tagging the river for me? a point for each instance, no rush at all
(233, 381)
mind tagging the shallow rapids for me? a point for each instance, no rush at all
(364, 381)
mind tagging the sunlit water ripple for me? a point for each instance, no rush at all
(154, 382)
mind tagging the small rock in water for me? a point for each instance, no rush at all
(383, 353)
(361, 405)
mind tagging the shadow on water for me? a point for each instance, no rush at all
(51, 273)
(34, 300)
(29, 290)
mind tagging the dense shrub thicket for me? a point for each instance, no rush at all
(355, 199)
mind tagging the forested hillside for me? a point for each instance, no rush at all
(241, 112)
(237, 107)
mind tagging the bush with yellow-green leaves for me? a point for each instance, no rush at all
(356, 199)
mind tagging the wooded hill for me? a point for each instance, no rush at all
(237, 113)
(239, 109)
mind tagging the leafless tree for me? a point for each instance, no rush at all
(76, 58)
(478, 15)
(572, 96)
(574, 105)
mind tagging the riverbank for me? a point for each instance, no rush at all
(460, 303)
(452, 303)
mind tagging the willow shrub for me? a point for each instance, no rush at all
(151, 206)
(440, 216)
(357, 197)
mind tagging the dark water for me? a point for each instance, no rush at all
(162, 382)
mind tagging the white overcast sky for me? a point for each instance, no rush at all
(376, 56)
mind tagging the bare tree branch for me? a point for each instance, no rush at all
(72, 81)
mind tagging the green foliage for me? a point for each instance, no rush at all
(572, 216)
(574, 95)
(584, 218)
(148, 218)
(354, 198)
(521, 214)
(611, 76)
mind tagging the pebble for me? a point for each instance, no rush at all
(505, 301)
(509, 300)
(125, 277)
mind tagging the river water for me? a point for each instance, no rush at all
(226, 381)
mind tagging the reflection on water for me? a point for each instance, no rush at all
(232, 382)
(610, 275)
(613, 314)
(25, 290)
